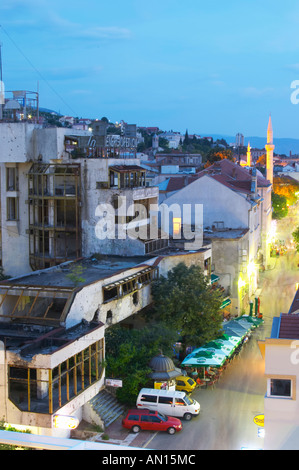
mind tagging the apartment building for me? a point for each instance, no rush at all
(281, 404)
(57, 187)
(35, 195)
(231, 200)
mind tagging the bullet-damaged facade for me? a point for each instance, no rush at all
(52, 332)
(55, 188)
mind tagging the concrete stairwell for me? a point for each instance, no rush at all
(104, 408)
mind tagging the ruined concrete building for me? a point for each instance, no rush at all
(57, 186)
(81, 247)
(52, 334)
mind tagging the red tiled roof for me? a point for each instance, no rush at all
(176, 183)
(233, 175)
(225, 172)
(243, 186)
(289, 326)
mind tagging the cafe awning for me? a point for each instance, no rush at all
(214, 278)
(225, 303)
(221, 347)
(204, 358)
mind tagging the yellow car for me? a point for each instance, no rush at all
(185, 384)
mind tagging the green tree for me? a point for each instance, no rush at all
(186, 139)
(219, 153)
(187, 301)
(164, 144)
(280, 207)
(75, 274)
(295, 236)
(128, 353)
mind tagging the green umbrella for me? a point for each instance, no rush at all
(247, 324)
(234, 337)
(236, 328)
(251, 320)
(218, 347)
(203, 358)
(227, 345)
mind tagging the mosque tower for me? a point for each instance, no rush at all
(155, 142)
(248, 155)
(269, 148)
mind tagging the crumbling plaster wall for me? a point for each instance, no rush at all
(88, 303)
(15, 244)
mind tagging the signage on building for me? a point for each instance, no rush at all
(259, 420)
(120, 141)
(114, 382)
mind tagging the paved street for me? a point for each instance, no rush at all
(226, 419)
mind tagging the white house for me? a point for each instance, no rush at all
(281, 403)
(224, 196)
(174, 139)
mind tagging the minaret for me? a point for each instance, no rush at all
(248, 155)
(269, 148)
(155, 142)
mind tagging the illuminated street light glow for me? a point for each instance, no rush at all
(272, 232)
(241, 283)
(65, 422)
(251, 268)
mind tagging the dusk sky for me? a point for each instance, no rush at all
(209, 67)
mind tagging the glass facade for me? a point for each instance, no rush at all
(47, 390)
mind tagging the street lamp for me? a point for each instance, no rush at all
(65, 422)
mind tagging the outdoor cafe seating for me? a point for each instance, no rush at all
(207, 363)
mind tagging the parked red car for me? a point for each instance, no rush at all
(150, 421)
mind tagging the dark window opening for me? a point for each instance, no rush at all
(109, 317)
(280, 387)
(135, 298)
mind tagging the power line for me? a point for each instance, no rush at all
(38, 72)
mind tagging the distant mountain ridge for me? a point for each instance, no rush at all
(46, 110)
(282, 145)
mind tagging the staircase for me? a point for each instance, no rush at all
(106, 407)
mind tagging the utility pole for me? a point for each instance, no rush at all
(37, 103)
(1, 86)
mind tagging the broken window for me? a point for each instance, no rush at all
(11, 179)
(129, 284)
(34, 304)
(12, 208)
(47, 390)
(54, 214)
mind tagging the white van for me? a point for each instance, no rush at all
(168, 402)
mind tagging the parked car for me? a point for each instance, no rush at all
(137, 420)
(168, 402)
(185, 384)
